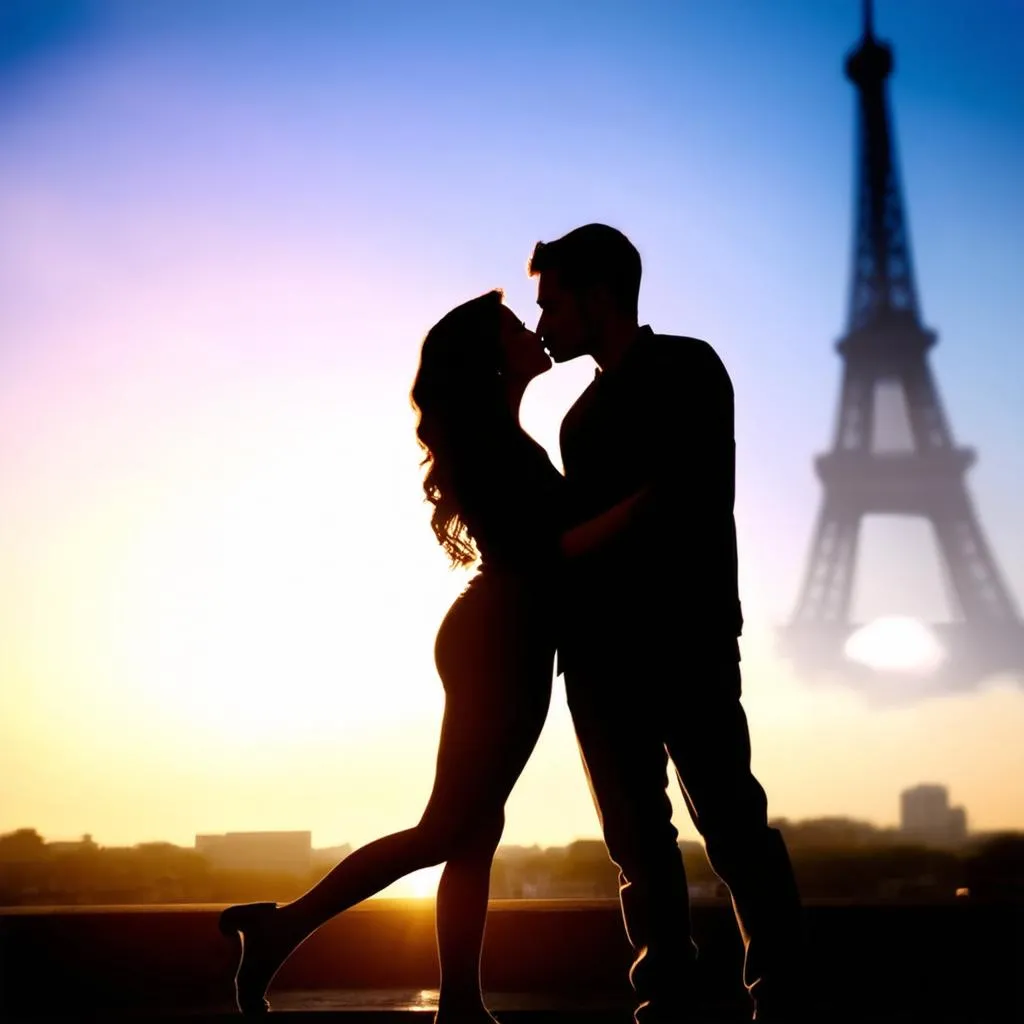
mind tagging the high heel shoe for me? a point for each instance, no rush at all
(259, 961)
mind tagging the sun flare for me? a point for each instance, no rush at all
(421, 885)
(244, 608)
(896, 644)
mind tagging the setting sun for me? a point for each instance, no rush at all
(896, 644)
(419, 885)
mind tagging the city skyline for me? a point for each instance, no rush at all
(227, 234)
(898, 821)
(927, 823)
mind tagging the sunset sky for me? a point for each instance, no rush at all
(224, 230)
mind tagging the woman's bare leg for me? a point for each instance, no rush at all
(464, 888)
(271, 934)
(482, 751)
(462, 896)
(363, 874)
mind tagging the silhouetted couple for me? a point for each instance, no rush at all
(626, 566)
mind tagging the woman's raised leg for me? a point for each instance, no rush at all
(481, 753)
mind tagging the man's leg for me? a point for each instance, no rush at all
(627, 767)
(710, 747)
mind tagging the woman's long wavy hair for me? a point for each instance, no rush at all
(460, 401)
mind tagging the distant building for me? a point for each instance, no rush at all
(328, 856)
(73, 846)
(285, 852)
(925, 815)
(833, 832)
(958, 823)
(512, 852)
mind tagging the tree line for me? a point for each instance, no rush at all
(833, 859)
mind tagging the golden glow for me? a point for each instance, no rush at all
(251, 604)
(419, 885)
(264, 583)
(896, 644)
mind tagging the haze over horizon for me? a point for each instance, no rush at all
(320, 847)
(228, 227)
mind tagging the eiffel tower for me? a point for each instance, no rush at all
(886, 346)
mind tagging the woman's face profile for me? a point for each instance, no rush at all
(523, 356)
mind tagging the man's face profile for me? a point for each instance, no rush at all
(560, 326)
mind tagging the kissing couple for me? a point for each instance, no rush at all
(626, 566)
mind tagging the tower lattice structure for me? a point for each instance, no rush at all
(886, 345)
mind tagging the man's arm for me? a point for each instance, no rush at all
(594, 534)
(687, 407)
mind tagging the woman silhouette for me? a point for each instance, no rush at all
(497, 497)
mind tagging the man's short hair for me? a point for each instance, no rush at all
(593, 256)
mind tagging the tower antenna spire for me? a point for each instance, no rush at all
(869, 19)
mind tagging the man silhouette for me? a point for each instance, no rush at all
(648, 637)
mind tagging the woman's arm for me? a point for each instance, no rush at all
(593, 534)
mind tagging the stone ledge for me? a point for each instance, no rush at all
(951, 962)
